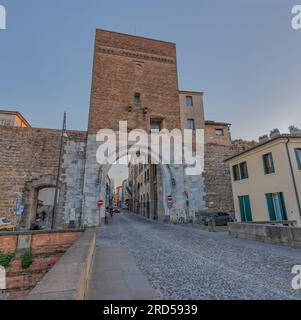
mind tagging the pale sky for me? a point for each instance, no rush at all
(243, 54)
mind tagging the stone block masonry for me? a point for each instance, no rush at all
(29, 162)
(217, 178)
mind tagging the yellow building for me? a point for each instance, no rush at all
(266, 181)
(12, 119)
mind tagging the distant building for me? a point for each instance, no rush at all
(125, 195)
(217, 132)
(13, 119)
(266, 180)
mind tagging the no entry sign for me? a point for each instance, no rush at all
(100, 203)
(169, 197)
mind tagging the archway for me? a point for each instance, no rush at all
(38, 197)
(167, 185)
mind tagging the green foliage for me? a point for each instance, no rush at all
(26, 259)
(5, 259)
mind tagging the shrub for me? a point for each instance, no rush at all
(26, 259)
(5, 259)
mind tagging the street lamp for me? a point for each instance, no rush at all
(63, 135)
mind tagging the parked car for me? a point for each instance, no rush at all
(220, 218)
(6, 225)
(37, 225)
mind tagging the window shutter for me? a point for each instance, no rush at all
(242, 208)
(248, 208)
(272, 163)
(264, 164)
(272, 214)
(284, 212)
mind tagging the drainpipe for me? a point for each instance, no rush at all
(293, 176)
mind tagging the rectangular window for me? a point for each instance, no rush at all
(219, 132)
(190, 124)
(276, 206)
(155, 125)
(189, 101)
(245, 208)
(268, 163)
(240, 171)
(236, 172)
(298, 156)
(243, 170)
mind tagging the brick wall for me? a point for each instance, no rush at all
(27, 154)
(46, 247)
(133, 65)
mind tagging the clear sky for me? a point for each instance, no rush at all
(243, 54)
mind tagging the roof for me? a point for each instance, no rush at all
(281, 136)
(191, 92)
(217, 123)
(133, 36)
(16, 113)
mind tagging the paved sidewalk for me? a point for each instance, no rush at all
(115, 276)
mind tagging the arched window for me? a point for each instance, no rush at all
(137, 98)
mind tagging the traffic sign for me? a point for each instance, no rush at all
(100, 203)
(169, 197)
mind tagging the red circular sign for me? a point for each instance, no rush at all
(169, 197)
(169, 206)
(100, 202)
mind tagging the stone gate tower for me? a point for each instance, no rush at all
(134, 79)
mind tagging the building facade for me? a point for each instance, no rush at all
(135, 80)
(13, 119)
(266, 181)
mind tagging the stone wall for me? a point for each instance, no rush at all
(276, 234)
(217, 178)
(29, 161)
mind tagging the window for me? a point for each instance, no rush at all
(219, 132)
(240, 171)
(137, 98)
(276, 206)
(190, 124)
(155, 125)
(298, 155)
(236, 172)
(243, 170)
(268, 163)
(189, 101)
(245, 208)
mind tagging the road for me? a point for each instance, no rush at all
(185, 262)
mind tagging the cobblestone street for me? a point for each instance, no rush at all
(184, 262)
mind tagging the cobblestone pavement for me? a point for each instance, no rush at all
(184, 262)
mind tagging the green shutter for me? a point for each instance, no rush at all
(284, 212)
(248, 208)
(242, 208)
(247, 172)
(272, 163)
(264, 164)
(298, 156)
(272, 214)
